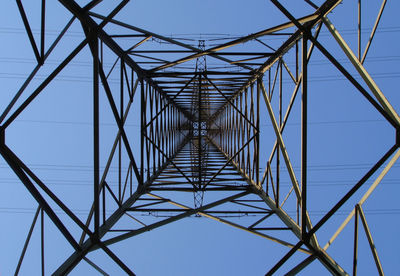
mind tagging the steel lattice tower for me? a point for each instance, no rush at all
(211, 140)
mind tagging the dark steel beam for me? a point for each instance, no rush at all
(174, 100)
(80, 13)
(304, 93)
(28, 238)
(77, 256)
(44, 84)
(35, 70)
(29, 32)
(218, 48)
(187, 213)
(169, 40)
(11, 159)
(309, 22)
(314, 247)
(340, 67)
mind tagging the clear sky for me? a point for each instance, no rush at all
(54, 135)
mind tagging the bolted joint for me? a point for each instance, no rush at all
(307, 33)
(306, 237)
(94, 238)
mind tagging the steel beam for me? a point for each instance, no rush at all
(288, 221)
(363, 72)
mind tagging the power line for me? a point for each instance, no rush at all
(190, 36)
(314, 183)
(65, 78)
(109, 64)
(28, 210)
(328, 167)
(137, 125)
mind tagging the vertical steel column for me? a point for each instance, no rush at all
(121, 84)
(153, 104)
(297, 61)
(269, 83)
(280, 129)
(142, 129)
(148, 148)
(42, 240)
(258, 138)
(199, 133)
(96, 134)
(42, 31)
(355, 253)
(304, 138)
(102, 185)
(156, 142)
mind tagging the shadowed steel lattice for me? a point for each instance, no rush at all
(199, 148)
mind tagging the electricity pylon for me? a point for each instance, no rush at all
(201, 132)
